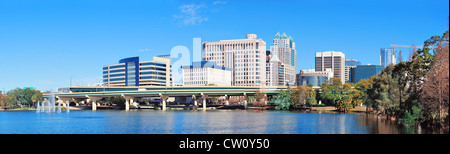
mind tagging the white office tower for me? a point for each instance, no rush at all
(284, 49)
(206, 73)
(246, 57)
(331, 59)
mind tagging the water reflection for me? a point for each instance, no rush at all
(198, 122)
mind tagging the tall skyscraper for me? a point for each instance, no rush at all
(387, 56)
(246, 57)
(331, 59)
(284, 52)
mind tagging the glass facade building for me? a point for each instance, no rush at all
(132, 72)
(364, 72)
(306, 77)
(350, 63)
(315, 81)
(387, 56)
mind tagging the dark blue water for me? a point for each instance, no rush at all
(187, 122)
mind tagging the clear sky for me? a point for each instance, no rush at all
(44, 43)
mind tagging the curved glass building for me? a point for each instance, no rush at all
(314, 78)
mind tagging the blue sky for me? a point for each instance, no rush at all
(45, 43)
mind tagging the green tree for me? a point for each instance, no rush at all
(344, 103)
(312, 101)
(283, 100)
(22, 97)
(332, 92)
(414, 117)
(359, 94)
(383, 96)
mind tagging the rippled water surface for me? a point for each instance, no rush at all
(191, 122)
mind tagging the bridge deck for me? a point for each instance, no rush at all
(154, 91)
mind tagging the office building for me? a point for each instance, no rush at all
(315, 78)
(132, 72)
(286, 54)
(350, 63)
(387, 56)
(333, 60)
(364, 72)
(278, 73)
(246, 58)
(206, 73)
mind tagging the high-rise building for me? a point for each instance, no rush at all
(331, 59)
(205, 73)
(364, 72)
(387, 56)
(350, 63)
(284, 50)
(246, 57)
(132, 72)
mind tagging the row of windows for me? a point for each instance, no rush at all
(247, 77)
(152, 63)
(152, 68)
(223, 47)
(115, 71)
(118, 79)
(157, 73)
(247, 82)
(196, 83)
(153, 77)
(115, 75)
(118, 66)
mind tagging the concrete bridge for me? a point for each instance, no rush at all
(131, 94)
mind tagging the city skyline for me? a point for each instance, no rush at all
(46, 44)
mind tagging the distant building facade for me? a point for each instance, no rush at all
(364, 72)
(350, 63)
(387, 56)
(206, 73)
(246, 58)
(315, 78)
(132, 72)
(278, 73)
(333, 60)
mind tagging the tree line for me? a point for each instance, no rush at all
(21, 98)
(416, 92)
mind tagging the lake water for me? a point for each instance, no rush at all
(193, 122)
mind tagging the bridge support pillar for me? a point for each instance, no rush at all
(204, 97)
(226, 100)
(66, 102)
(195, 102)
(163, 100)
(94, 101)
(265, 99)
(128, 100)
(245, 100)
